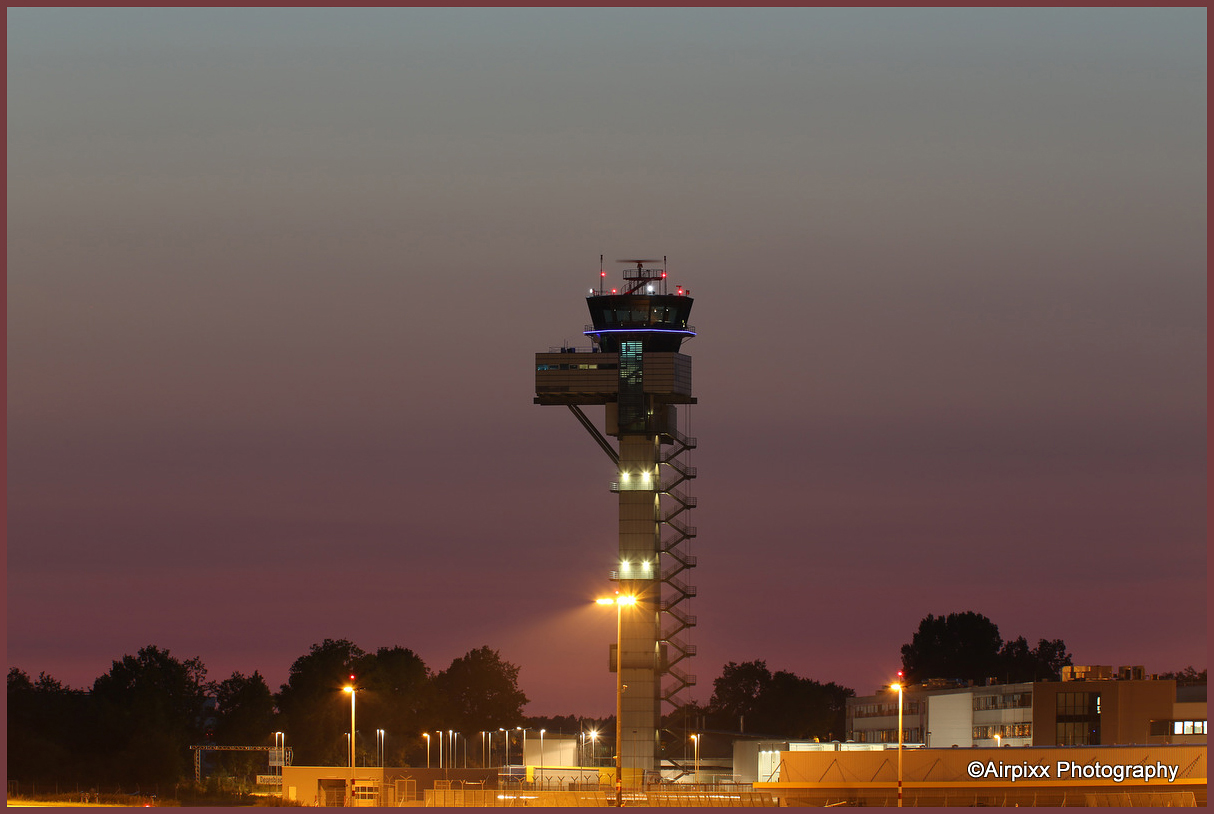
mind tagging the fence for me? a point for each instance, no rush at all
(665, 796)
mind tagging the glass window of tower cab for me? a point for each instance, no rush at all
(660, 319)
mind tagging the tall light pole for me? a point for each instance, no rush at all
(350, 688)
(379, 736)
(695, 739)
(505, 747)
(541, 758)
(280, 738)
(439, 732)
(426, 735)
(523, 749)
(619, 602)
(898, 687)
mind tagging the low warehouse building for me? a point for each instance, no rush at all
(1010, 776)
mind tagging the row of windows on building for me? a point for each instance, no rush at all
(1078, 703)
(914, 735)
(1021, 730)
(664, 315)
(1178, 728)
(1015, 700)
(1077, 733)
(605, 366)
(879, 710)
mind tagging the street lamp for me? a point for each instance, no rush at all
(350, 688)
(541, 758)
(281, 751)
(379, 736)
(523, 749)
(696, 740)
(426, 735)
(619, 602)
(506, 748)
(898, 687)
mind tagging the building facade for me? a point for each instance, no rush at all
(1096, 707)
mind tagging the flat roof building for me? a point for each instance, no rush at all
(1096, 707)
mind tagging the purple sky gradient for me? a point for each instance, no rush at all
(275, 279)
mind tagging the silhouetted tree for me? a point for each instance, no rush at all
(963, 646)
(782, 704)
(148, 712)
(1188, 676)
(315, 713)
(244, 716)
(967, 647)
(47, 730)
(737, 694)
(480, 691)
(397, 697)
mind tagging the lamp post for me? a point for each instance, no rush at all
(542, 757)
(898, 687)
(505, 747)
(281, 750)
(523, 757)
(426, 735)
(350, 688)
(379, 736)
(619, 602)
(695, 739)
(439, 732)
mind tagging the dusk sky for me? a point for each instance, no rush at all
(276, 279)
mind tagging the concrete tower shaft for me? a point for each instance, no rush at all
(635, 369)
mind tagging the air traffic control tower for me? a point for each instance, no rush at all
(635, 370)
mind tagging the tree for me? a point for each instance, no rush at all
(480, 691)
(750, 697)
(967, 647)
(795, 707)
(1187, 677)
(149, 711)
(244, 710)
(244, 716)
(1050, 656)
(396, 696)
(962, 646)
(737, 693)
(44, 729)
(315, 712)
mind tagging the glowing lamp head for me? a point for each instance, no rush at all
(604, 601)
(626, 600)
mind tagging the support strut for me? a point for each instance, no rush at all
(599, 438)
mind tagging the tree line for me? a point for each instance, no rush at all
(135, 725)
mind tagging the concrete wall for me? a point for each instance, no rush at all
(950, 720)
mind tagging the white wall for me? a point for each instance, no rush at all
(950, 720)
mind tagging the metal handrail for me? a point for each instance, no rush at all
(631, 325)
